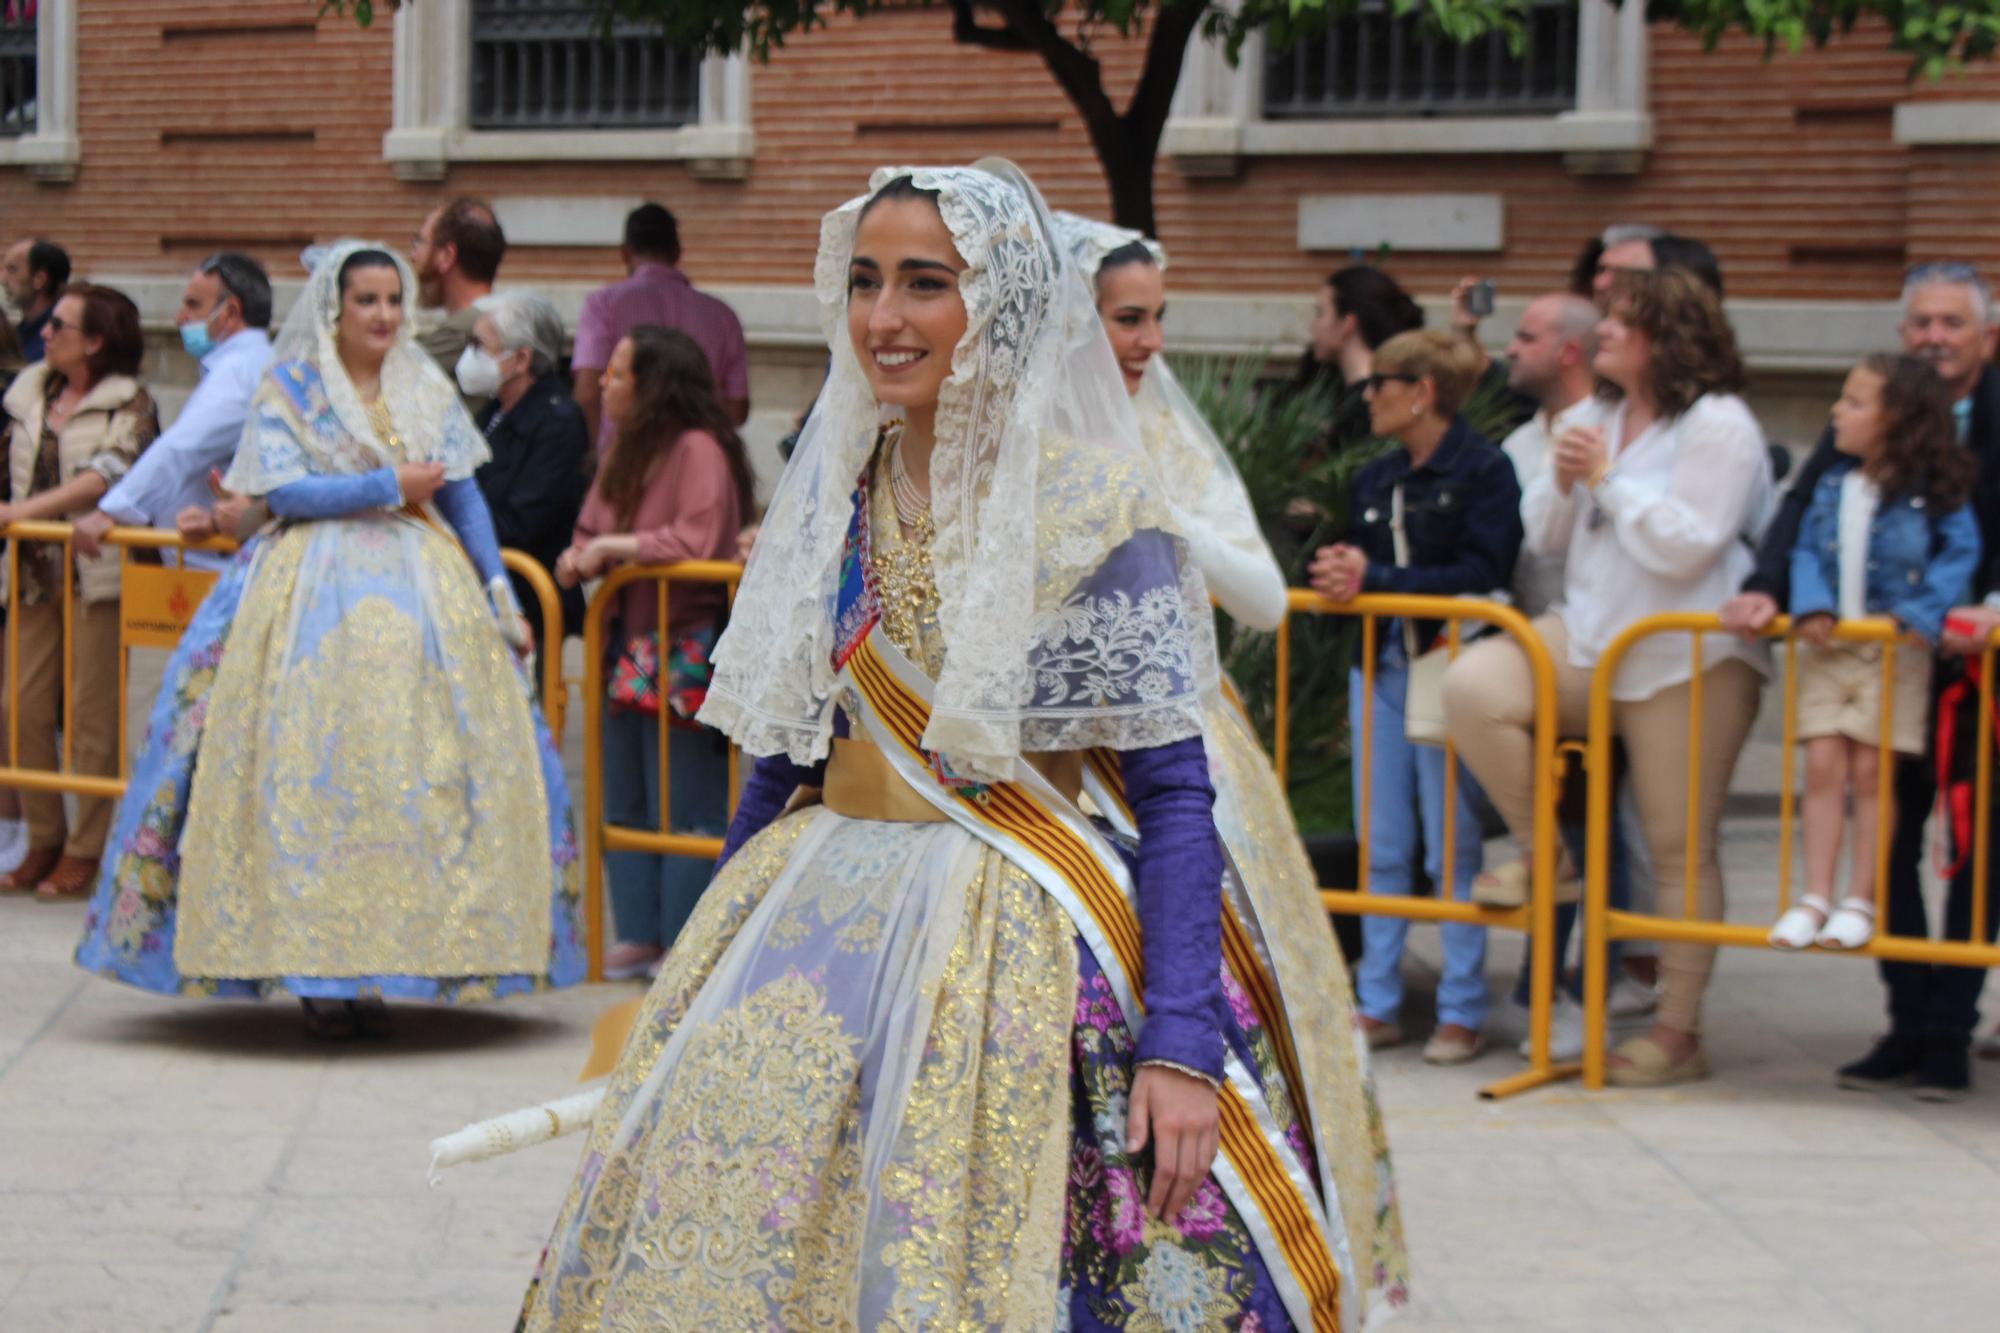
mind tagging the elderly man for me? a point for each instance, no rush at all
(224, 318)
(34, 272)
(456, 255)
(1948, 320)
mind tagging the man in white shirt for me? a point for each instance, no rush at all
(1549, 361)
(224, 319)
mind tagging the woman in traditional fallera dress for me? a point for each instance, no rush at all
(346, 791)
(1269, 865)
(935, 1050)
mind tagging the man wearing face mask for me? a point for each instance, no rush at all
(535, 482)
(224, 319)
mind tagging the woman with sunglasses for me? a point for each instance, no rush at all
(78, 419)
(1440, 516)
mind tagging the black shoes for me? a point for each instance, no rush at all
(1892, 1064)
(1946, 1075)
(1939, 1068)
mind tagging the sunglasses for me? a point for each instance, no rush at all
(1374, 383)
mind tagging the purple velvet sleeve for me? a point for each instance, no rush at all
(1180, 904)
(773, 779)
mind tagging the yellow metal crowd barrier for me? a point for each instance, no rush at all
(598, 836)
(1604, 926)
(1538, 916)
(156, 602)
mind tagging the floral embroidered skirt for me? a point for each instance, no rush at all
(881, 1083)
(136, 914)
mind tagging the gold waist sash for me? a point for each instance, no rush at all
(861, 783)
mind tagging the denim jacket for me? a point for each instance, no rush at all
(1920, 562)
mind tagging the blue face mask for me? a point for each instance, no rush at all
(196, 337)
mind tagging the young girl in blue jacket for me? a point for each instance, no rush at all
(1888, 533)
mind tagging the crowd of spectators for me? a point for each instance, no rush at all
(1621, 474)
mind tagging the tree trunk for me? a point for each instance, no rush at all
(1130, 176)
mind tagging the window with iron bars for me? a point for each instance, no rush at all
(19, 74)
(1375, 63)
(540, 66)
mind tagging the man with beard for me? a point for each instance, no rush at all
(1947, 321)
(456, 255)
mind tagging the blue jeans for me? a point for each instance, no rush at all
(652, 895)
(1405, 817)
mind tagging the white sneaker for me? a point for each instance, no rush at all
(1801, 923)
(1851, 925)
(1633, 998)
(1565, 1030)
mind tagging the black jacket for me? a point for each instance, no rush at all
(1461, 509)
(1773, 574)
(535, 483)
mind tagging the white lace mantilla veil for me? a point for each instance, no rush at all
(428, 414)
(1070, 613)
(1201, 481)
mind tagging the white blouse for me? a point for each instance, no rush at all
(1669, 527)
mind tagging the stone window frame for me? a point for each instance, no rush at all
(52, 150)
(429, 124)
(1217, 117)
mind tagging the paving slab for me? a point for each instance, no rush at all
(186, 1165)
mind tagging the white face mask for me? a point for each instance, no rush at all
(478, 373)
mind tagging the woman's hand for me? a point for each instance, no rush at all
(596, 556)
(1337, 572)
(745, 540)
(195, 524)
(420, 481)
(566, 574)
(1816, 629)
(9, 513)
(1177, 1114)
(1580, 454)
(1749, 614)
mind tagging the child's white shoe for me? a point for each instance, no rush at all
(1850, 927)
(1801, 923)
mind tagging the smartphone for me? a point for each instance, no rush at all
(1479, 301)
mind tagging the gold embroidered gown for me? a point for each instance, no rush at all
(881, 1084)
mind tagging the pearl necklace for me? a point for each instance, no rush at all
(913, 507)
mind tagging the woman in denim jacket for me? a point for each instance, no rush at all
(1460, 509)
(1887, 532)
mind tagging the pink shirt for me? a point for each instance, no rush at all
(689, 511)
(661, 294)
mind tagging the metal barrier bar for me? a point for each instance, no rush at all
(1538, 916)
(1605, 926)
(163, 539)
(555, 697)
(598, 836)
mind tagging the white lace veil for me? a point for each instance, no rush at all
(424, 405)
(1199, 479)
(1070, 614)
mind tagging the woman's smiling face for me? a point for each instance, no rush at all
(904, 311)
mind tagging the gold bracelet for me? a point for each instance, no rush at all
(1179, 1068)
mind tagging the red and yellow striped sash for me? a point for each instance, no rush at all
(1017, 813)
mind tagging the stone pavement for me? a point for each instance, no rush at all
(187, 1165)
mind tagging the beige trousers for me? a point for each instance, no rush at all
(94, 746)
(1490, 710)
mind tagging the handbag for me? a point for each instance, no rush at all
(635, 677)
(1423, 697)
